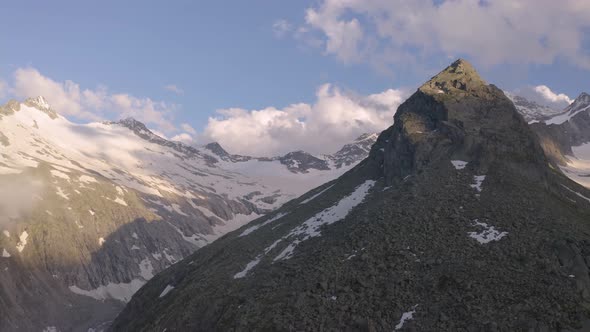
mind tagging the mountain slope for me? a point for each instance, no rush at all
(89, 213)
(454, 222)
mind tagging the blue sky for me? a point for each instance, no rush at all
(255, 54)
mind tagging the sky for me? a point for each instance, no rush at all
(264, 77)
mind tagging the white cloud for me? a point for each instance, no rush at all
(68, 99)
(491, 32)
(174, 88)
(335, 118)
(188, 128)
(543, 95)
(183, 138)
(281, 27)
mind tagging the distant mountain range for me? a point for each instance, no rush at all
(90, 212)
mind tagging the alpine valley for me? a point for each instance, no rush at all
(461, 218)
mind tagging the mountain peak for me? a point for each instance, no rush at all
(217, 149)
(41, 104)
(582, 102)
(458, 115)
(459, 76)
(583, 98)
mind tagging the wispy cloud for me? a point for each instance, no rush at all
(281, 28)
(174, 88)
(188, 128)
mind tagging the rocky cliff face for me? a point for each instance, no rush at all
(456, 221)
(89, 213)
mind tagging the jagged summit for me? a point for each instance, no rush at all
(460, 75)
(39, 102)
(217, 149)
(582, 101)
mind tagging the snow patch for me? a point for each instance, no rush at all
(101, 241)
(311, 227)
(478, 181)
(255, 227)
(20, 246)
(459, 164)
(119, 200)
(488, 234)
(118, 291)
(119, 191)
(166, 290)
(62, 194)
(60, 175)
(406, 316)
(248, 267)
(5, 253)
(87, 179)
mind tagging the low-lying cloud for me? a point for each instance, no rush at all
(18, 196)
(335, 118)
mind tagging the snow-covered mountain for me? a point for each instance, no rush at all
(90, 212)
(296, 171)
(566, 139)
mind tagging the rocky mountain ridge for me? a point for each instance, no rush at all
(303, 162)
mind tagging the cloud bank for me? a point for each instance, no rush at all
(335, 118)
(490, 32)
(68, 99)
